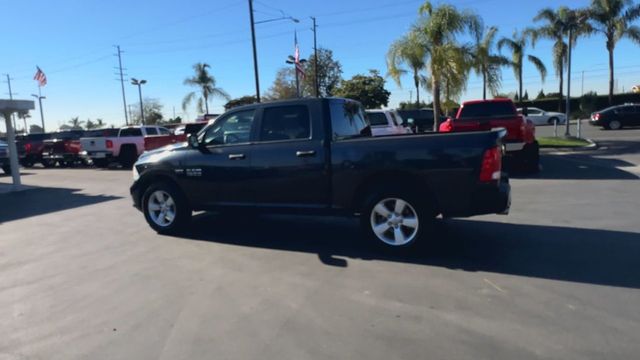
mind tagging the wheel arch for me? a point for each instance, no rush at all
(154, 177)
(387, 180)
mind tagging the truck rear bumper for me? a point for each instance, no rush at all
(493, 200)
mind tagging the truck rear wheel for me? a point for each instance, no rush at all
(396, 219)
(128, 156)
(165, 208)
(531, 158)
(101, 163)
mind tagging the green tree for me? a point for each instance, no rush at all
(329, 74)
(35, 129)
(541, 95)
(206, 84)
(486, 63)
(518, 46)
(438, 28)
(367, 89)
(614, 19)
(526, 95)
(555, 27)
(90, 125)
(411, 52)
(284, 85)
(245, 100)
(75, 123)
(152, 112)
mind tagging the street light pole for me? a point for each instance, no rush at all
(255, 52)
(253, 42)
(315, 57)
(40, 97)
(139, 83)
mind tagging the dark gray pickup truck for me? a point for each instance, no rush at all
(317, 156)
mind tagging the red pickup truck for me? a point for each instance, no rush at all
(62, 148)
(520, 142)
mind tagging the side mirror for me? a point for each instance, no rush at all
(193, 141)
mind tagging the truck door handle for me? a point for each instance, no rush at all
(236, 156)
(305, 153)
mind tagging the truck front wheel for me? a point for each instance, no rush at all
(396, 219)
(165, 208)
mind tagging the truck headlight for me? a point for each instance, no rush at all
(136, 174)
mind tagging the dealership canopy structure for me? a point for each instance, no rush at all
(7, 109)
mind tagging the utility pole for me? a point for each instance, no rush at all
(40, 97)
(582, 84)
(255, 52)
(124, 98)
(315, 56)
(13, 116)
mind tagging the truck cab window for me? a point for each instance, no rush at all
(127, 132)
(232, 129)
(377, 119)
(348, 120)
(285, 123)
(164, 131)
(151, 131)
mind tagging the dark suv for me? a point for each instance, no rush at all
(617, 117)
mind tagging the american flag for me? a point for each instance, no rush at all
(296, 56)
(40, 77)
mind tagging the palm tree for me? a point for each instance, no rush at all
(556, 29)
(408, 50)
(487, 64)
(438, 28)
(76, 123)
(206, 83)
(518, 45)
(614, 19)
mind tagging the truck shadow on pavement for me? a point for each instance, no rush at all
(40, 201)
(548, 252)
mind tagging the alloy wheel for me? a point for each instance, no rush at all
(394, 221)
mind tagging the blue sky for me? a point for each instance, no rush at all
(72, 41)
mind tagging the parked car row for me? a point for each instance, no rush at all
(96, 147)
(4, 157)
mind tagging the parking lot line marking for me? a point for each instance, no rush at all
(494, 285)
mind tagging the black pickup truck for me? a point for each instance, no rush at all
(317, 156)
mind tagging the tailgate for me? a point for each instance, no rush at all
(513, 125)
(95, 144)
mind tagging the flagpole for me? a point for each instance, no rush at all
(295, 65)
(40, 103)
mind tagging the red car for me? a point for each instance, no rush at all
(480, 115)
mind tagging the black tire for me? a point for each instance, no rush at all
(26, 162)
(101, 163)
(553, 120)
(182, 210)
(614, 125)
(48, 163)
(417, 203)
(128, 156)
(7, 169)
(530, 158)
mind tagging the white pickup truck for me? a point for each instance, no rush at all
(387, 122)
(130, 142)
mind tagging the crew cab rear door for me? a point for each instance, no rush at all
(288, 159)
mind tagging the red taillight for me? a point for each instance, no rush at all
(109, 144)
(596, 116)
(446, 126)
(27, 147)
(491, 165)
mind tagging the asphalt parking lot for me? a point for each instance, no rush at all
(82, 276)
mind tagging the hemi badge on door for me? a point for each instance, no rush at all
(179, 171)
(194, 172)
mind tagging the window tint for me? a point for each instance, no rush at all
(101, 133)
(68, 135)
(534, 112)
(231, 129)
(128, 132)
(377, 119)
(164, 131)
(151, 131)
(397, 119)
(486, 109)
(285, 123)
(348, 120)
